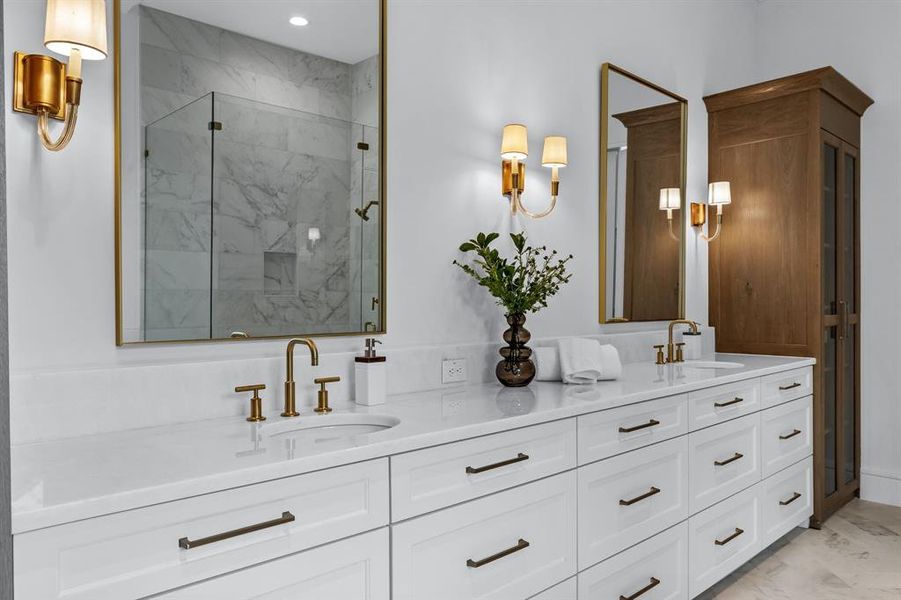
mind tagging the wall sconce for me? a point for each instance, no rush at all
(719, 194)
(313, 237)
(514, 150)
(670, 200)
(44, 86)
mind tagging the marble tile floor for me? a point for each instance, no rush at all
(855, 556)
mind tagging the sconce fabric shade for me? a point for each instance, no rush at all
(670, 199)
(554, 154)
(76, 25)
(313, 234)
(719, 192)
(515, 144)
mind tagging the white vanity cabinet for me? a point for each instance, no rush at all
(658, 499)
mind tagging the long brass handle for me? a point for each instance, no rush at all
(729, 403)
(782, 388)
(789, 436)
(651, 423)
(652, 492)
(737, 533)
(842, 319)
(654, 583)
(721, 463)
(475, 564)
(519, 458)
(794, 497)
(187, 544)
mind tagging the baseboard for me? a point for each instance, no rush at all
(880, 486)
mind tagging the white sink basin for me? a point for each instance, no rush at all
(712, 364)
(320, 429)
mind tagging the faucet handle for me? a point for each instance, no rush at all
(256, 403)
(322, 395)
(680, 356)
(660, 359)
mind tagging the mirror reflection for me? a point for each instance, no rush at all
(251, 201)
(641, 199)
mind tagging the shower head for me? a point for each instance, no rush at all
(363, 213)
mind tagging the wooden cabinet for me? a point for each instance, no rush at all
(784, 276)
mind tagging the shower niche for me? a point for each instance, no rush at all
(251, 197)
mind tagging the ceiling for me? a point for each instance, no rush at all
(343, 30)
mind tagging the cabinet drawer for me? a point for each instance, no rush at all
(787, 500)
(137, 553)
(425, 480)
(353, 569)
(513, 544)
(628, 498)
(723, 403)
(611, 432)
(723, 460)
(660, 562)
(568, 590)
(782, 387)
(787, 432)
(722, 538)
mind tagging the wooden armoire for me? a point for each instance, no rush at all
(785, 271)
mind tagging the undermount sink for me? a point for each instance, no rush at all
(318, 429)
(712, 364)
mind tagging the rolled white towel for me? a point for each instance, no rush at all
(585, 361)
(580, 360)
(547, 363)
(611, 366)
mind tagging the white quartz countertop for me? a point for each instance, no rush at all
(67, 480)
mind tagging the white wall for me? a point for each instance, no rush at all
(458, 71)
(860, 39)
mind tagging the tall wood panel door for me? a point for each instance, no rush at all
(838, 466)
(784, 273)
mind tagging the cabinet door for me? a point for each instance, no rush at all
(353, 569)
(839, 465)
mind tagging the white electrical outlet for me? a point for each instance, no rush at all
(453, 370)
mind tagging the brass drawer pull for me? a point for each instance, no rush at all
(782, 388)
(790, 435)
(794, 497)
(653, 492)
(654, 583)
(721, 463)
(187, 544)
(519, 458)
(737, 533)
(729, 403)
(651, 423)
(475, 564)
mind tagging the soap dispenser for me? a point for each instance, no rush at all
(371, 375)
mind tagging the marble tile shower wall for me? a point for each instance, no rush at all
(62, 404)
(276, 173)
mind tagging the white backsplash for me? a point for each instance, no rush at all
(62, 404)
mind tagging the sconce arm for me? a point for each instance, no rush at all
(528, 213)
(68, 128)
(719, 224)
(672, 235)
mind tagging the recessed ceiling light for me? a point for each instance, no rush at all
(298, 21)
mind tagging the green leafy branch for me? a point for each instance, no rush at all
(522, 283)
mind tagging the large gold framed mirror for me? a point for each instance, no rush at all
(250, 176)
(642, 199)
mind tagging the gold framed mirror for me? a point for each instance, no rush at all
(250, 175)
(641, 199)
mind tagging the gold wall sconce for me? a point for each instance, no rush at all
(47, 88)
(514, 150)
(670, 200)
(719, 194)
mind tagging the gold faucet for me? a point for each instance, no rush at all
(671, 354)
(290, 387)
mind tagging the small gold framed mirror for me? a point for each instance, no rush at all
(642, 199)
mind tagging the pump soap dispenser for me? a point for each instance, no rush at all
(371, 374)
